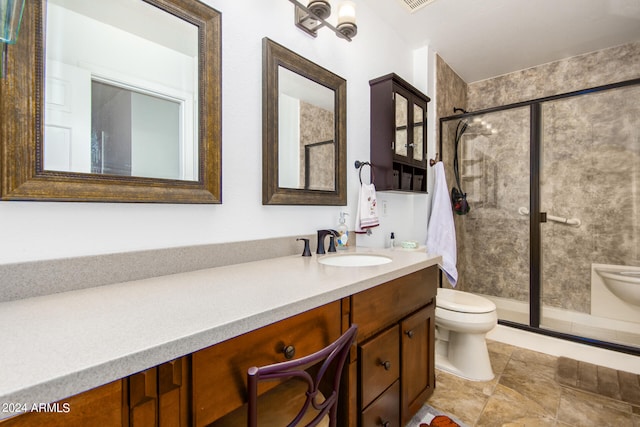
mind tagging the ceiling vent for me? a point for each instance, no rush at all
(414, 5)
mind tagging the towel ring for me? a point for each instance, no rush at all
(359, 165)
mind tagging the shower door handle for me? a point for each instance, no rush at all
(543, 217)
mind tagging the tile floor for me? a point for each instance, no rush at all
(525, 392)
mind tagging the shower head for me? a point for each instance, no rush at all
(461, 128)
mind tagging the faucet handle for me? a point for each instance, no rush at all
(332, 243)
(321, 235)
(306, 251)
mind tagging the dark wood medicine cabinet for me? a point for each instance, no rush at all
(398, 135)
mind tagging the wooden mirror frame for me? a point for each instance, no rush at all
(22, 123)
(273, 56)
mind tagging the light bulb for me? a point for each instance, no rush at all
(347, 13)
(347, 19)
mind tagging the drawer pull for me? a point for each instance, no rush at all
(385, 423)
(289, 351)
(386, 364)
(169, 376)
(409, 334)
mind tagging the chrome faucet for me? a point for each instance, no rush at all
(321, 236)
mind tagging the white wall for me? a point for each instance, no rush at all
(47, 230)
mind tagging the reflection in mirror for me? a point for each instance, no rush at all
(125, 107)
(304, 131)
(306, 151)
(110, 109)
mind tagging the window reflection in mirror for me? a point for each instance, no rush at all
(121, 99)
(134, 134)
(306, 133)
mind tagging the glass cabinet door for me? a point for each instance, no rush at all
(402, 119)
(418, 132)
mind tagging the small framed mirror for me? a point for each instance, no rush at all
(304, 131)
(114, 101)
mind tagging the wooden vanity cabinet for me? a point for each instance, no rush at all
(389, 374)
(156, 397)
(396, 366)
(417, 374)
(159, 397)
(104, 406)
(398, 135)
(220, 372)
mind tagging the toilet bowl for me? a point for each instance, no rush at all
(462, 322)
(622, 281)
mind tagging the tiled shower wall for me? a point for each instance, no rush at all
(317, 131)
(567, 75)
(591, 171)
(591, 165)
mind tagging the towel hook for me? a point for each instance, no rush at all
(433, 161)
(359, 165)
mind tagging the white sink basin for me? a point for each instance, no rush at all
(354, 260)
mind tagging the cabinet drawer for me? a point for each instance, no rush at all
(379, 364)
(376, 308)
(385, 409)
(220, 371)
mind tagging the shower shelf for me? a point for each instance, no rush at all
(472, 161)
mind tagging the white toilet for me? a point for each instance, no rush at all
(462, 321)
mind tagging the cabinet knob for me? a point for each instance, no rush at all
(385, 423)
(289, 351)
(409, 334)
(386, 364)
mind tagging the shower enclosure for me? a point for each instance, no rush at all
(554, 189)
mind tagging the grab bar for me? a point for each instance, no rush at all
(569, 221)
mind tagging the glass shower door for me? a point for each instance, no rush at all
(590, 191)
(493, 237)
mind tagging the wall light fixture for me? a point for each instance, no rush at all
(10, 18)
(314, 16)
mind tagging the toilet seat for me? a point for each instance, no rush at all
(463, 302)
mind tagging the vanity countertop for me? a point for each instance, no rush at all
(62, 344)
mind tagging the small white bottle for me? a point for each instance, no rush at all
(343, 232)
(392, 241)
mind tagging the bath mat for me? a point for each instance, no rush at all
(600, 380)
(441, 421)
(431, 417)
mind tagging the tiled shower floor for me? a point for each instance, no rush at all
(526, 392)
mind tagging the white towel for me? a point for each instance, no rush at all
(441, 232)
(367, 214)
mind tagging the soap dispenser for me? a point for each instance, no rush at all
(343, 232)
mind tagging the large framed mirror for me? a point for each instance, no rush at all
(113, 101)
(304, 141)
